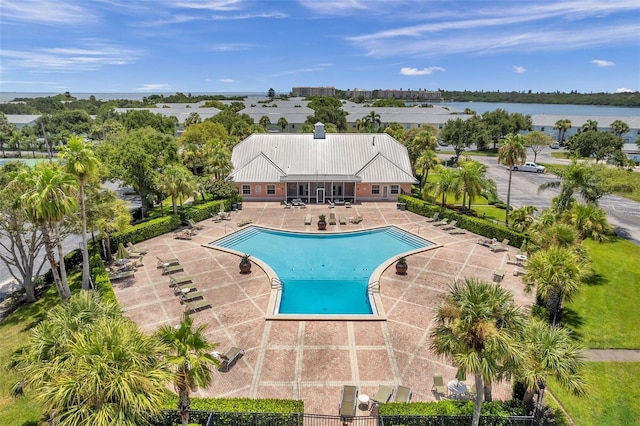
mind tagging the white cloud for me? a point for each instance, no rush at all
(416, 71)
(152, 87)
(338, 7)
(220, 5)
(276, 15)
(231, 47)
(46, 11)
(602, 63)
(227, 80)
(314, 68)
(519, 70)
(624, 90)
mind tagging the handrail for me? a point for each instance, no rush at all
(417, 226)
(230, 226)
(373, 287)
(276, 283)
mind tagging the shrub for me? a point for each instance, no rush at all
(100, 278)
(146, 230)
(198, 212)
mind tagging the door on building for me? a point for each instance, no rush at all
(320, 195)
(385, 192)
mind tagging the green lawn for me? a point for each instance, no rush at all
(604, 313)
(613, 395)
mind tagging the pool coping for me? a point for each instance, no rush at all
(374, 296)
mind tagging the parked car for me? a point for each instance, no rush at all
(554, 146)
(529, 166)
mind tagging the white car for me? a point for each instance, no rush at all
(555, 145)
(529, 166)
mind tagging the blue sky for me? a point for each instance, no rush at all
(100, 46)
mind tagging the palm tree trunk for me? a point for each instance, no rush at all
(506, 216)
(185, 406)
(174, 203)
(63, 267)
(86, 281)
(478, 401)
(48, 245)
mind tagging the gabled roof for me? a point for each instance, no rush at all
(337, 156)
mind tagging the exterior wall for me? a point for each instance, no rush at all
(262, 194)
(313, 91)
(363, 191)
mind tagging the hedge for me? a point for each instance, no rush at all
(101, 280)
(144, 231)
(198, 212)
(473, 224)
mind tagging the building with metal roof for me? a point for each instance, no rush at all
(321, 166)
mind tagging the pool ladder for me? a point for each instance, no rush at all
(276, 283)
(373, 287)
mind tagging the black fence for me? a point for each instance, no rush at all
(205, 418)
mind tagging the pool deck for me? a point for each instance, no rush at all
(311, 360)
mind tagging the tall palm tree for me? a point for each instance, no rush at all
(264, 121)
(478, 327)
(81, 162)
(428, 160)
(449, 183)
(589, 220)
(522, 218)
(577, 177)
(473, 181)
(282, 122)
(589, 126)
(51, 197)
(559, 234)
(562, 126)
(512, 151)
(556, 273)
(550, 351)
(87, 364)
(176, 181)
(619, 127)
(373, 120)
(190, 360)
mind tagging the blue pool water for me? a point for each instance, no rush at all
(323, 273)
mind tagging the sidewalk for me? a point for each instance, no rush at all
(612, 355)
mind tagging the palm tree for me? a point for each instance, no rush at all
(449, 183)
(556, 273)
(264, 121)
(619, 127)
(282, 122)
(550, 351)
(512, 151)
(473, 181)
(49, 200)
(562, 126)
(589, 126)
(578, 176)
(176, 181)
(478, 327)
(190, 360)
(522, 218)
(589, 220)
(361, 124)
(80, 161)
(428, 160)
(373, 120)
(90, 365)
(545, 235)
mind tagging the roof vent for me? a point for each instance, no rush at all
(318, 131)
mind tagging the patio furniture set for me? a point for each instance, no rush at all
(183, 286)
(454, 389)
(351, 399)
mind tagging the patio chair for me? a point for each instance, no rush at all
(348, 401)
(307, 220)
(383, 395)
(224, 216)
(498, 275)
(302, 205)
(356, 219)
(172, 269)
(183, 288)
(487, 242)
(190, 296)
(332, 218)
(177, 281)
(121, 275)
(167, 262)
(287, 205)
(402, 394)
(331, 204)
(456, 230)
(438, 385)
(193, 307)
(347, 204)
(450, 226)
(501, 246)
(194, 225)
(183, 235)
(342, 220)
(443, 222)
(135, 249)
(435, 217)
(229, 358)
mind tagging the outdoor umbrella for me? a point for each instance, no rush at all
(122, 252)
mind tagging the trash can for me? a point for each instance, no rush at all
(234, 207)
(397, 206)
(239, 206)
(403, 206)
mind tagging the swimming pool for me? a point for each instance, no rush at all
(323, 274)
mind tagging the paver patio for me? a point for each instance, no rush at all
(311, 360)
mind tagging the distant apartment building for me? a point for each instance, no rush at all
(313, 91)
(366, 94)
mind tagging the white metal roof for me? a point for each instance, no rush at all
(366, 157)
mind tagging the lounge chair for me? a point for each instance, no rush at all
(450, 226)
(356, 219)
(438, 385)
(403, 394)
(348, 401)
(192, 307)
(331, 204)
(121, 275)
(167, 262)
(172, 269)
(177, 281)
(332, 218)
(302, 205)
(307, 220)
(455, 231)
(342, 220)
(287, 205)
(487, 242)
(517, 271)
(501, 246)
(184, 235)
(135, 249)
(383, 395)
(443, 222)
(190, 296)
(347, 204)
(193, 224)
(435, 217)
(184, 288)
(498, 275)
(224, 216)
(229, 358)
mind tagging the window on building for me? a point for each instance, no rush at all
(246, 189)
(258, 189)
(375, 189)
(395, 189)
(271, 189)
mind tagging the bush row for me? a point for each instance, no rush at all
(198, 212)
(144, 231)
(470, 223)
(428, 413)
(100, 278)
